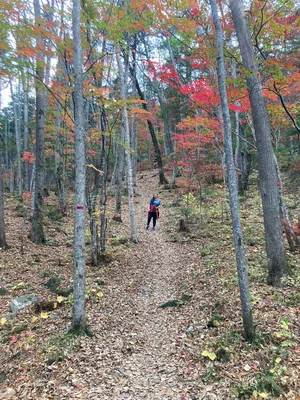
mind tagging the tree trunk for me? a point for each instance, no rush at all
(26, 121)
(103, 167)
(232, 184)
(162, 178)
(3, 243)
(123, 84)
(78, 318)
(290, 234)
(18, 139)
(277, 265)
(243, 164)
(119, 176)
(59, 163)
(37, 223)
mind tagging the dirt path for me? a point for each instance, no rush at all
(138, 356)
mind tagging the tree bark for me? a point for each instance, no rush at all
(3, 243)
(162, 179)
(37, 228)
(78, 318)
(123, 75)
(18, 139)
(277, 265)
(232, 184)
(26, 122)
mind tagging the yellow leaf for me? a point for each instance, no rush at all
(278, 359)
(44, 315)
(93, 290)
(212, 356)
(54, 305)
(272, 370)
(34, 319)
(100, 294)
(3, 320)
(263, 395)
(60, 299)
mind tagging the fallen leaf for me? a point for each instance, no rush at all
(44, 315)
(3, 321)
(263, 395)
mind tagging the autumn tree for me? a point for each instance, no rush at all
(232, 182)
(37, 223)
(277, 266)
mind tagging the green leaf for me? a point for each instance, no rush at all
(211, 356)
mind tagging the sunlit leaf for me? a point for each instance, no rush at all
(34, 319)
(44, 315)
(263, 395)
(3, 321)
(211, 356)
(60, 299)
(100, 294)
(278, 359)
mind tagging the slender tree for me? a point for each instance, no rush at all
(162, 177)
(78, 322)
(277, 265)
(125, 123)
(16, 111)
(232, 183)
(37, 223)
(3, 243)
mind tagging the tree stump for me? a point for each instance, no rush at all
(183, 226)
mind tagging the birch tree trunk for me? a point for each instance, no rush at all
(232, 184)
(37, 228)
(277, 265)
(123, 84)
(78, 318)
(3, 243)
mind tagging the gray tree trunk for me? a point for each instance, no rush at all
(120, 153)
(232, 184)
(3, 243)
(162, 177)
(103, 184)
(290, 234)
(243, 164)
(59, 163)
(25, 131)
(18, 139)
(277, 265)
(78, 318)
(123, 84)
(37, 223)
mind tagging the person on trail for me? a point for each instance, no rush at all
(153, 211)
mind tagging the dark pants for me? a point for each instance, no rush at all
(150, 216)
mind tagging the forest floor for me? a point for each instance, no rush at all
(139, 350)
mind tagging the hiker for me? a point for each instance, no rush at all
(153, 211)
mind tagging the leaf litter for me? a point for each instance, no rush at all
(139, 350)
